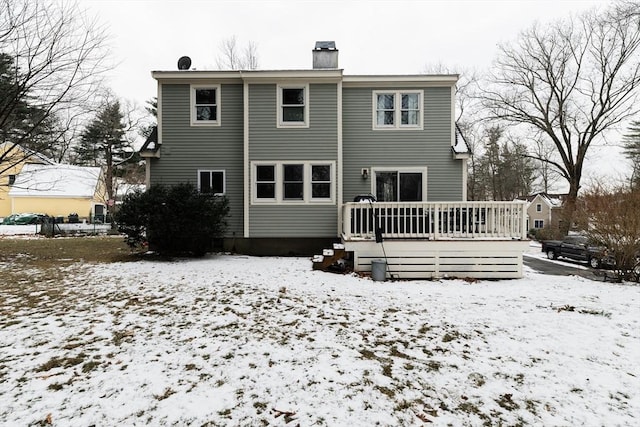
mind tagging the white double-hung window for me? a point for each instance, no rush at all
(397, 109)
(205, 105)
(293, 106)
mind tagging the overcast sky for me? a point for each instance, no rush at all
(373, 37)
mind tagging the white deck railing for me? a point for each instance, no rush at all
(435, 220)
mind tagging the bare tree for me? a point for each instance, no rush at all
(233, 57)
(57, 57)
(543, 153)
(572, 80)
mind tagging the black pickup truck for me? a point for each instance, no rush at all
(577, 248)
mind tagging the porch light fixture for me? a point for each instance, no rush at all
(365, 173)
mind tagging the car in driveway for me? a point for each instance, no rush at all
(578, 247)
(23, 219)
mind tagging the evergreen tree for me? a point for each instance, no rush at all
(103, 144)
(631, 143)
(21, 121)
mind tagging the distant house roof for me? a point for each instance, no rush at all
(56, 181)
(553, 200)
(28, 155)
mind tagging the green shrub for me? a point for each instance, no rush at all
(173, 220)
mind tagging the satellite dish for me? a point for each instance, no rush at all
(184, 63)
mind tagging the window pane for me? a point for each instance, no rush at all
(409, 118)
(321, 191)
(410, 187)
(206, 113)
(385, 118)
(387, 186)
(205, 96)
(321, 173)
(386, 101)
(265, 190)
(265, 173)
(293, 191)
(293, 114)
(217, 182)
(410, 101)
(293, 173)
(292, 96)
(205, 182)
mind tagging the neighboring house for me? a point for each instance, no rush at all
(13, 158)
(292, 149)
(544, 210)
(59, 190)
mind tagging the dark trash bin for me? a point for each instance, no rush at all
(73, 218)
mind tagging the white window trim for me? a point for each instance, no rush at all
(192, 106)
(279, 175)
(539, 207)
(397, 110)
(538, 222)
(401, 169)
(294, 125)
(224, 180)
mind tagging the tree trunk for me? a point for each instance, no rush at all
(569, 208)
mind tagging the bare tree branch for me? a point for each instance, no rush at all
(572, 80)
(59, 58)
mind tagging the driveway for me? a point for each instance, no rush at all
(560, 268)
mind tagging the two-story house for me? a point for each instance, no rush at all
(544, 210)
(293, 149)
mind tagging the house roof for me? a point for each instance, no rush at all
(461, 146)
(28, 155)
(56, 181)
(151, 143)
(553, 200)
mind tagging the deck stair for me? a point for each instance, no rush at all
(331, 259)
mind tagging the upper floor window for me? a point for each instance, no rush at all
(538, 207)
(211, 182)
(12, 179)
(397, 109)
(205, 105)
(293, 106)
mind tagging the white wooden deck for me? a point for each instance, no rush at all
(435, 240)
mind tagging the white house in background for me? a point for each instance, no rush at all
(59, 190)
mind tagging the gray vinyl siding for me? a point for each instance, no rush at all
(186, 148)
(267, 142)
(430, 147)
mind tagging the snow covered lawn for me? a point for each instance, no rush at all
(234, 340)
